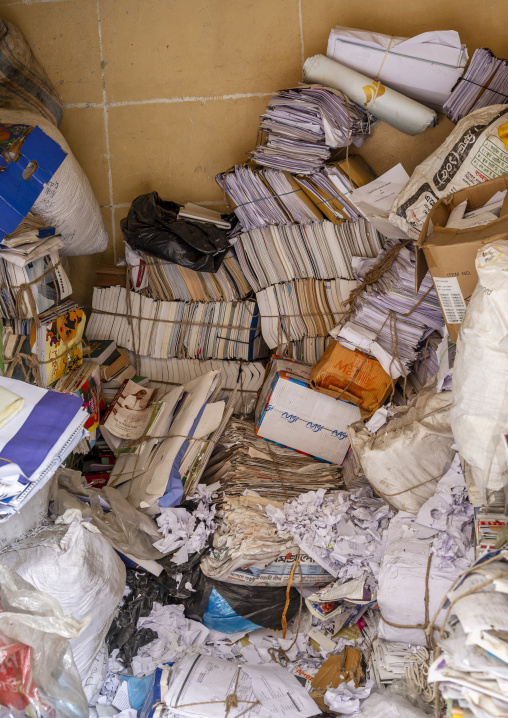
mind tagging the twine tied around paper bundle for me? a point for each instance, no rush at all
(230, 701)
(432, 624)
(32, 362)
(25, 289)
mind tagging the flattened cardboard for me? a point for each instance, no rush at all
(451, 253)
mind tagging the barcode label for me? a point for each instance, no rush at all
(450, 296)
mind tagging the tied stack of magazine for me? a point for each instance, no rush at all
(25, 258)
(217, 330)
(321, 250)
(243, 378)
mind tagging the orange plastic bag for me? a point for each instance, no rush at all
(351, 376)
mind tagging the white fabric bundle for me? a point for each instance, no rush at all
(67, 201)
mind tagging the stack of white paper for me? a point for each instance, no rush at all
(473, 665)
(485, 83)
(297, 316)
(244, 378)
(381, 308)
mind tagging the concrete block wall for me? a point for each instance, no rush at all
(163, 94)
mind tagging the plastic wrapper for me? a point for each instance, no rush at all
(231, 608)
(144, 590)
(386, 104)
(386, 704)
(81, 571)
(128, 530)
(152, 226)
(35, 633)
(352, 376)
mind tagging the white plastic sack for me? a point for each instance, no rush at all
(410, 453)
(475, 151)
(389, 705)
(32, 618)
(67, 201)
(82, 572)
(479, 414)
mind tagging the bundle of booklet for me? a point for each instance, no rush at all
(321, 250)
(485, 83)
(303, 125)
(246, 378)
(388, 315)
(219, 330)
(37, 264)
(85, 382)
(261, 197)
(36, 440)
(169, 281)
(302, 309)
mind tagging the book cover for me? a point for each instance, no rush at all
(58, 344)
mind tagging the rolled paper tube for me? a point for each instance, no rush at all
(386, 104)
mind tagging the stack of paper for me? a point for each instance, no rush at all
(174, 448)
(169, 281)
(472, 667)
(485, 83)
(424, 67)
(85, 382)
(248, 551)
(36, 440)
(379, 314)
(297, 316)
(490, 523)
(219, 330)
(321, 250)
(302, 125)
(332, 186)
(243, 462)
(440, 533)
(26, 263)
(246, 378)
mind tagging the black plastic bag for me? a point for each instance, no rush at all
(152, 226)
(263, 605)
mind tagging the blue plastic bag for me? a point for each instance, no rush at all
(219, 616)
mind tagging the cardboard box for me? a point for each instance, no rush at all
(27, 161)
(450, 253)
(294, 415)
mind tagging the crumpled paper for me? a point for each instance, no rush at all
(340, 529)
(175, 635)
(187, 532)
(346, 698)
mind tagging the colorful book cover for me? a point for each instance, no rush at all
(59, 345)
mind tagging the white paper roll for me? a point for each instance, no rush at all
(397, 110)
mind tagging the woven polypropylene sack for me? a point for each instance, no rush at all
(67, 201)
(479, 414)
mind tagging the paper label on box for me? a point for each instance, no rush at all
(450, 296)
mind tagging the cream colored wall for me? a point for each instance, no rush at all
(163, 94)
